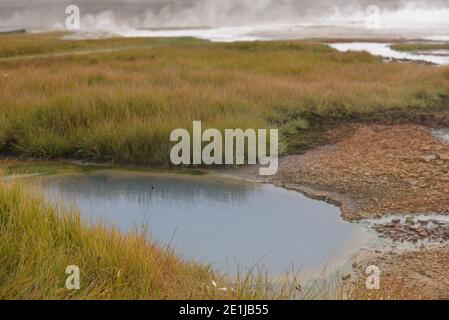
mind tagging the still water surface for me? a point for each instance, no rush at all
(219, 221)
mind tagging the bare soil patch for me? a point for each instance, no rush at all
(380, 170)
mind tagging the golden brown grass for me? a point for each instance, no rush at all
(40, 240)
(121, 106)
(34, 45)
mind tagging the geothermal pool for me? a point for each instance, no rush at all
(229, 224)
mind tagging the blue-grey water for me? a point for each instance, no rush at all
(219, 221)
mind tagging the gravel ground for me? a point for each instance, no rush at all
(375, 172)
(379, 170)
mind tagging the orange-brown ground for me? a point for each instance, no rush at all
(375, 171)
(412, 275)
(379, 170)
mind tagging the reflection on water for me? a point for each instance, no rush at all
(216, 221)
(141, 189)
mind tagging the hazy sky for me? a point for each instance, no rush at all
(155, 13)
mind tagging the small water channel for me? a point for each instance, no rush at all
(384, 50)
(224, 222)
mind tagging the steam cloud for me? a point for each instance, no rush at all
(127, 15)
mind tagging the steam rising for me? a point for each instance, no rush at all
(245, 19)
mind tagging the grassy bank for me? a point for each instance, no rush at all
(40, 240)
(121, 106)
